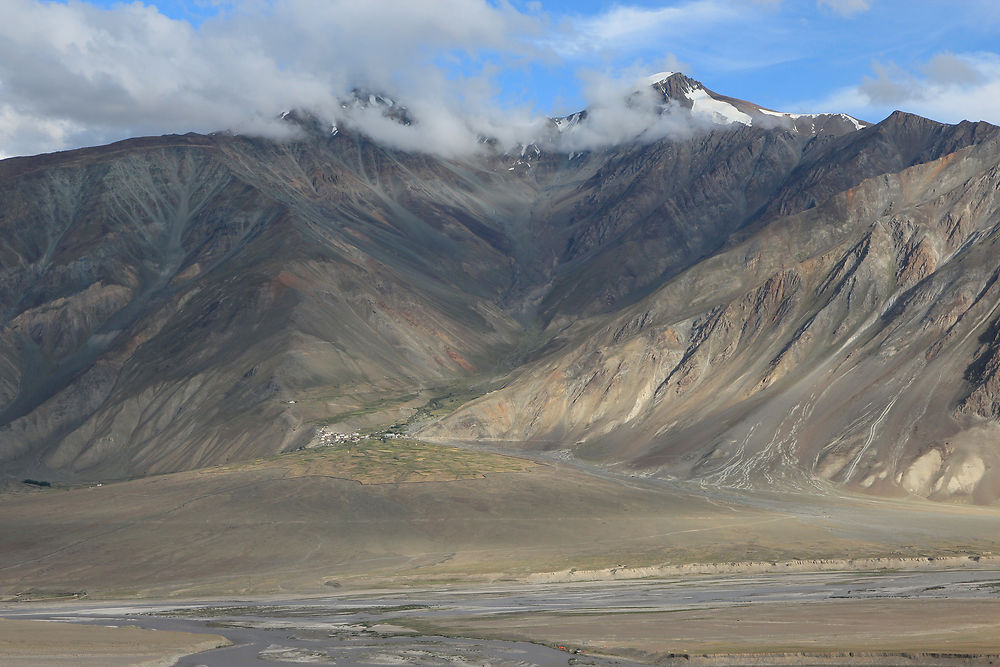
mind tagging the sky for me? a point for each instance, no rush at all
(85, 72)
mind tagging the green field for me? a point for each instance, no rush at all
(374, 460)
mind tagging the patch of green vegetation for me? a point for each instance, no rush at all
(383, 460)
(444, 399)
(445, 404)
(366, 409)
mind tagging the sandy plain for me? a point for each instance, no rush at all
(306, 522)
(33, 643)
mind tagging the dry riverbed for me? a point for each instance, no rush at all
(945, 617)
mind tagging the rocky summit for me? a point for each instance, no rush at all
(747, 299)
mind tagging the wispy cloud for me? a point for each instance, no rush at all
(629, 26)
(620, 108)
(626, 109)
(846, 7)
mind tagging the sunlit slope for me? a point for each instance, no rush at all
(852, 342)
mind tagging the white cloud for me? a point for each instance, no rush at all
(73, 74)
(25, 135)
(620, 109)
(846, 7)
(628, 25)
(625, 109)
(948, 88)
(890, 85)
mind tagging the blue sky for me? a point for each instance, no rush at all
(86, 71)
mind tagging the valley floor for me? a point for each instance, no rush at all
(382, 549)
(389, 514)
(943, 617)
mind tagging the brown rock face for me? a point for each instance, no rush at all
(784, 304)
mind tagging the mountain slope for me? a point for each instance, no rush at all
(851, 342)
(167, 298)
(763, 299)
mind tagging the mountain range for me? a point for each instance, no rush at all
(744, 298)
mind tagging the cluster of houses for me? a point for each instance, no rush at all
(326, 438)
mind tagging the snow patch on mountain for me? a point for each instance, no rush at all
(780, 114)
(858, 125)
(720, 112)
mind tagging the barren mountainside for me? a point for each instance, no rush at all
(767, 301)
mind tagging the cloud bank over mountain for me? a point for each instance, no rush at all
(619, 110)
(85, 72)
(76, 74)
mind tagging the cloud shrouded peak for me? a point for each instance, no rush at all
(618, 110)
(75, 74)
(85, 72)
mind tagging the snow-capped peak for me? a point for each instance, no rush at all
(722, 110)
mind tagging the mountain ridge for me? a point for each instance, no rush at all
(175, 302)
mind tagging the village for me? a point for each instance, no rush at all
(327, 438)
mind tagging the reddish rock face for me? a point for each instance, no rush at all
(779, 304)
